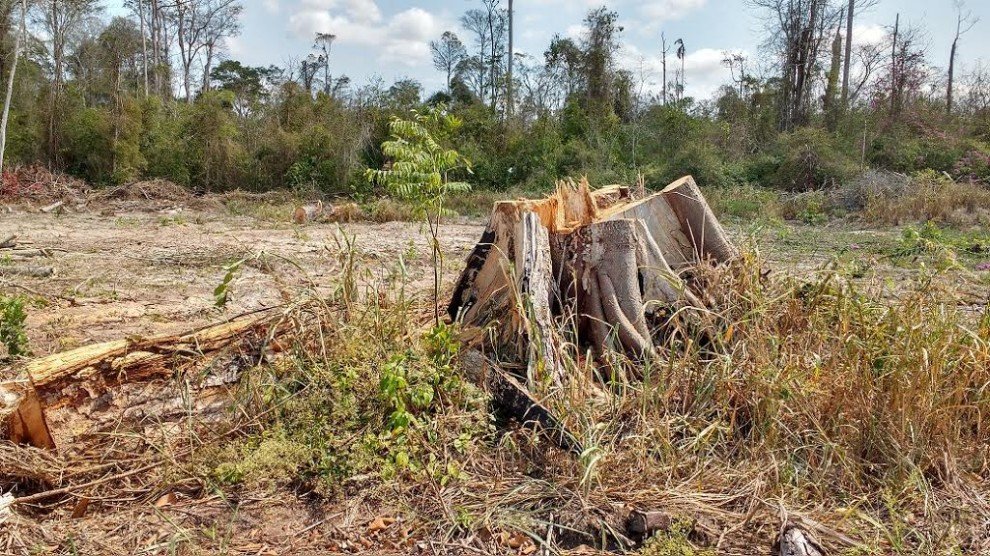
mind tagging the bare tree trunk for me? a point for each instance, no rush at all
(894, 88)
(952, 69)
(663, 62)
(848, 57)
(144, 46)
(508, 84)
(964, 22)
(18, 41)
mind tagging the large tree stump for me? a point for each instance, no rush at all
(607, 260)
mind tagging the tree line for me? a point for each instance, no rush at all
(154, 94)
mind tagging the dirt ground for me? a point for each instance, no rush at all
(139, 273)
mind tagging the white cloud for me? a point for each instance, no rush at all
(659, 11)
(363, 11)
(703, 69)
(403, 38)
(234, 46)
(272, 6)
(871, 33)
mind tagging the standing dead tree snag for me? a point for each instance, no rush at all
(600, 259)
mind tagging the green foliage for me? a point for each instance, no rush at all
(267, 461)
(418, 170)
(221, 294)
(811, 159)
(419, 165)
(13, 332)
(673, 542)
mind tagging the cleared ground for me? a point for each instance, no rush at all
(144, 271)
(138, 273)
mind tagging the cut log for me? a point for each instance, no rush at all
(641, 525)
(65, 379)
(305, 214)
(8, 242)
(609, 262)
(24, 270)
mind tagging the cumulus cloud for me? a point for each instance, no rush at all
(667, 10)
(272, 6)
(402, 38)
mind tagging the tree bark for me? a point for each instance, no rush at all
(18, 41)
(69, 378)
(846, 61)
(599, 259)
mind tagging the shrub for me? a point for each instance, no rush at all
(811, 159)
(748, 202)
(13, 334)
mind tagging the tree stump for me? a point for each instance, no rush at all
(600, 257)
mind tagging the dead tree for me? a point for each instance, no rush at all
(964, 22)
(601, 260)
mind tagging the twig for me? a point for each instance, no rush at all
(72, 488)
(32, 291)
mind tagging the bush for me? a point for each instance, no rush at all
(810, 159)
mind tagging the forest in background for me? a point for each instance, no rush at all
(154, 95)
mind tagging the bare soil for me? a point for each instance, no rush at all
(139, 273)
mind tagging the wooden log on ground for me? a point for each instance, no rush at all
(305, 214)
(26, 270)
(8, 242)
(64, 379)
(54, 208)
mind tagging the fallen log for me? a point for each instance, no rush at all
(8, 242)
(30, 271)
(56, 208)
(67, 379)
(610, 263)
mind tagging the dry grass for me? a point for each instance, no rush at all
(926, 196)
(844, 403)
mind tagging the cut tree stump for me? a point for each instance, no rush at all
(69, 378)
(598, 261)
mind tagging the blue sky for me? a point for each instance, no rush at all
(389, 38)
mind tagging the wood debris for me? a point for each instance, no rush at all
(68, 379)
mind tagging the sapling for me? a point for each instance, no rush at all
(419, 172)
